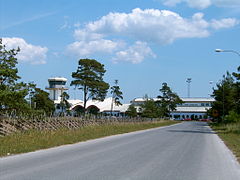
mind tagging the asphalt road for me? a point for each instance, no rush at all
(186, 151)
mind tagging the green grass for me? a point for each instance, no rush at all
(230, 134)
(34, 140)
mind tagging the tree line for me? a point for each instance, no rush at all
(226, 107)
(18, 97)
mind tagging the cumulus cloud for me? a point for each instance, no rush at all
(135, 53)
(224, 23)
(28, 53)
(149, 26)
(86, 48)
(201, 4)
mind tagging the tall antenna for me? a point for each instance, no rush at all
(189, 80)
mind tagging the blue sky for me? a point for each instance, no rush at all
(142, 43)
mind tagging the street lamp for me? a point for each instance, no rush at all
(232, 51)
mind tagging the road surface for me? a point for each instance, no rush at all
(186, 151)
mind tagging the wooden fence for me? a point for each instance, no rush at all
(13, 125)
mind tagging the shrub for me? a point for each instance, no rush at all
(232, 117)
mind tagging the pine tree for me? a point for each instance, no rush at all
(168, 101)
(116, 95)
(131, 111)
(42, 101)
(89, 79)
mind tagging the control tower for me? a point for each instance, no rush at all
(56, 87)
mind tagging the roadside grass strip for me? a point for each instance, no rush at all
(230, 134)
(33, 140)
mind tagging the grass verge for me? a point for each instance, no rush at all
(230, 134)
(34, 140)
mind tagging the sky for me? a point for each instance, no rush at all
(142, 43)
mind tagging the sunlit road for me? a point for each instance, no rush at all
(186, 151)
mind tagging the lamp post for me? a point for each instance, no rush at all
(232, 51)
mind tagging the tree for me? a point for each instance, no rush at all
(89, 79)
(64, 104)
(226, 97)
(131, 111)
(150, 109)
(236, 92)
(8, 70)
(12, 93)
(168, 101)
(237, 75)
(42, 101)
(116, 95)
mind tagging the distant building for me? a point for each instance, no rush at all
(56, 87)
(192, 108)
(100, 106)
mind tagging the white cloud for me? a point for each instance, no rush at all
(135, 53)
(149, 26)
(28, 53)
(201, 4)
(84, 35)
(224, 23)
(86, 48)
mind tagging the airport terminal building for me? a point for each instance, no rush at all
(192, 108)
(57, 86)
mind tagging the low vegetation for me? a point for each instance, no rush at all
(34, 140)
(230, 134)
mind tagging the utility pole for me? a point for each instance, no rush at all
(189, 80)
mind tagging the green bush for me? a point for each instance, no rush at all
(232, 117)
